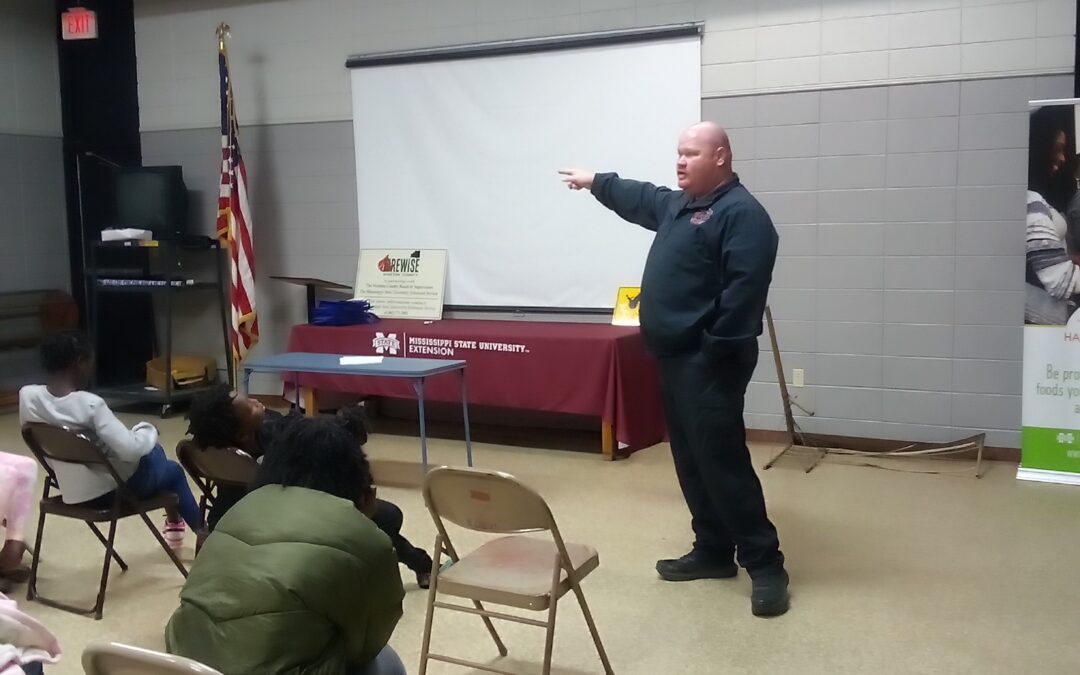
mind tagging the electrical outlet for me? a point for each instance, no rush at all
(798, 377)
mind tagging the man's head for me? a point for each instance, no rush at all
(704, 159)
(319, 454)
(221, 418)
(68, 356)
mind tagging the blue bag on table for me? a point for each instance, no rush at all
(344, 313)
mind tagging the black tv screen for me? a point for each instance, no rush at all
(152, 198)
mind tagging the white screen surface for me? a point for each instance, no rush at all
(462, 155)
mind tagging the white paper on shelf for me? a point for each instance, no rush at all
(359, 360)
(127, 233)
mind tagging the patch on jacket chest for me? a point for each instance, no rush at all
(700, 217)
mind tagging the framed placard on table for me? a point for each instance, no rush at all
(402, 283)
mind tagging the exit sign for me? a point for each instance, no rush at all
(78, 23)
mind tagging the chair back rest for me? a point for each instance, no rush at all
(485, 501)
(223, 466)
(62, 445)
(111, 658)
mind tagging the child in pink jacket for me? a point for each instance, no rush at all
(24, 643)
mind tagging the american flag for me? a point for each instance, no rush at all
(234, 225)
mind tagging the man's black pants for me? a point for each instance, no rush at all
(703, 400)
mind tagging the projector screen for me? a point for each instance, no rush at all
(463, 155)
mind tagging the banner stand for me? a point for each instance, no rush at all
(1050, 419)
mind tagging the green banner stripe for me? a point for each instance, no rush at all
(1050, 449)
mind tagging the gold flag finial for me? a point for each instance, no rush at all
(222, 33)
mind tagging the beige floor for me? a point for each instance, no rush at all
(891, 572)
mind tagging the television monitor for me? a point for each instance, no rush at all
(152, 198)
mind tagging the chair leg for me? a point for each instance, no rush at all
(105, 543)
(99, 606)
(576, 586)
(31, 585)
(429, 618)
(487, 624)
(164, 544)
(491, 629)
(553, 604)
(110, 553)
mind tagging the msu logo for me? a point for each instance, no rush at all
(383, 344)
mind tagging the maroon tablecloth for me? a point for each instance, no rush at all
(577, 368)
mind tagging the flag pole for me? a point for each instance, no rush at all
(234, 223)
(222, 32)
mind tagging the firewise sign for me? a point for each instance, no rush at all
(402, 283)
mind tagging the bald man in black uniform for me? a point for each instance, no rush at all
(703, 293)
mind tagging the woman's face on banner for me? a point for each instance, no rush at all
(1057, 153)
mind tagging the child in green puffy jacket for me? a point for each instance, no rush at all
(295, 579)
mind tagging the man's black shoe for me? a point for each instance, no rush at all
(770, 595)
(693, 566)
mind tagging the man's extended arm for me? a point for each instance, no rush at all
(641, 203)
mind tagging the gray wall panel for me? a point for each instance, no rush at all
(33, 215)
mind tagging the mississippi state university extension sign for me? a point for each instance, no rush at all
(428, 346)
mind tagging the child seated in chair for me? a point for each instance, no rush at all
(134, 453)
(295, 580)
(221, 418)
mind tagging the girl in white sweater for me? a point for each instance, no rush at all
(135, 453)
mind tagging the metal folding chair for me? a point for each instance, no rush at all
(523, 572)
(49, 443)
(212, 468)
(111, 658)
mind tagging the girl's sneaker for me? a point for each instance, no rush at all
(174, 534)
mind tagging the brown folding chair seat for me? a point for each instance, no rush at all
(55, 506)
(49, 443)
